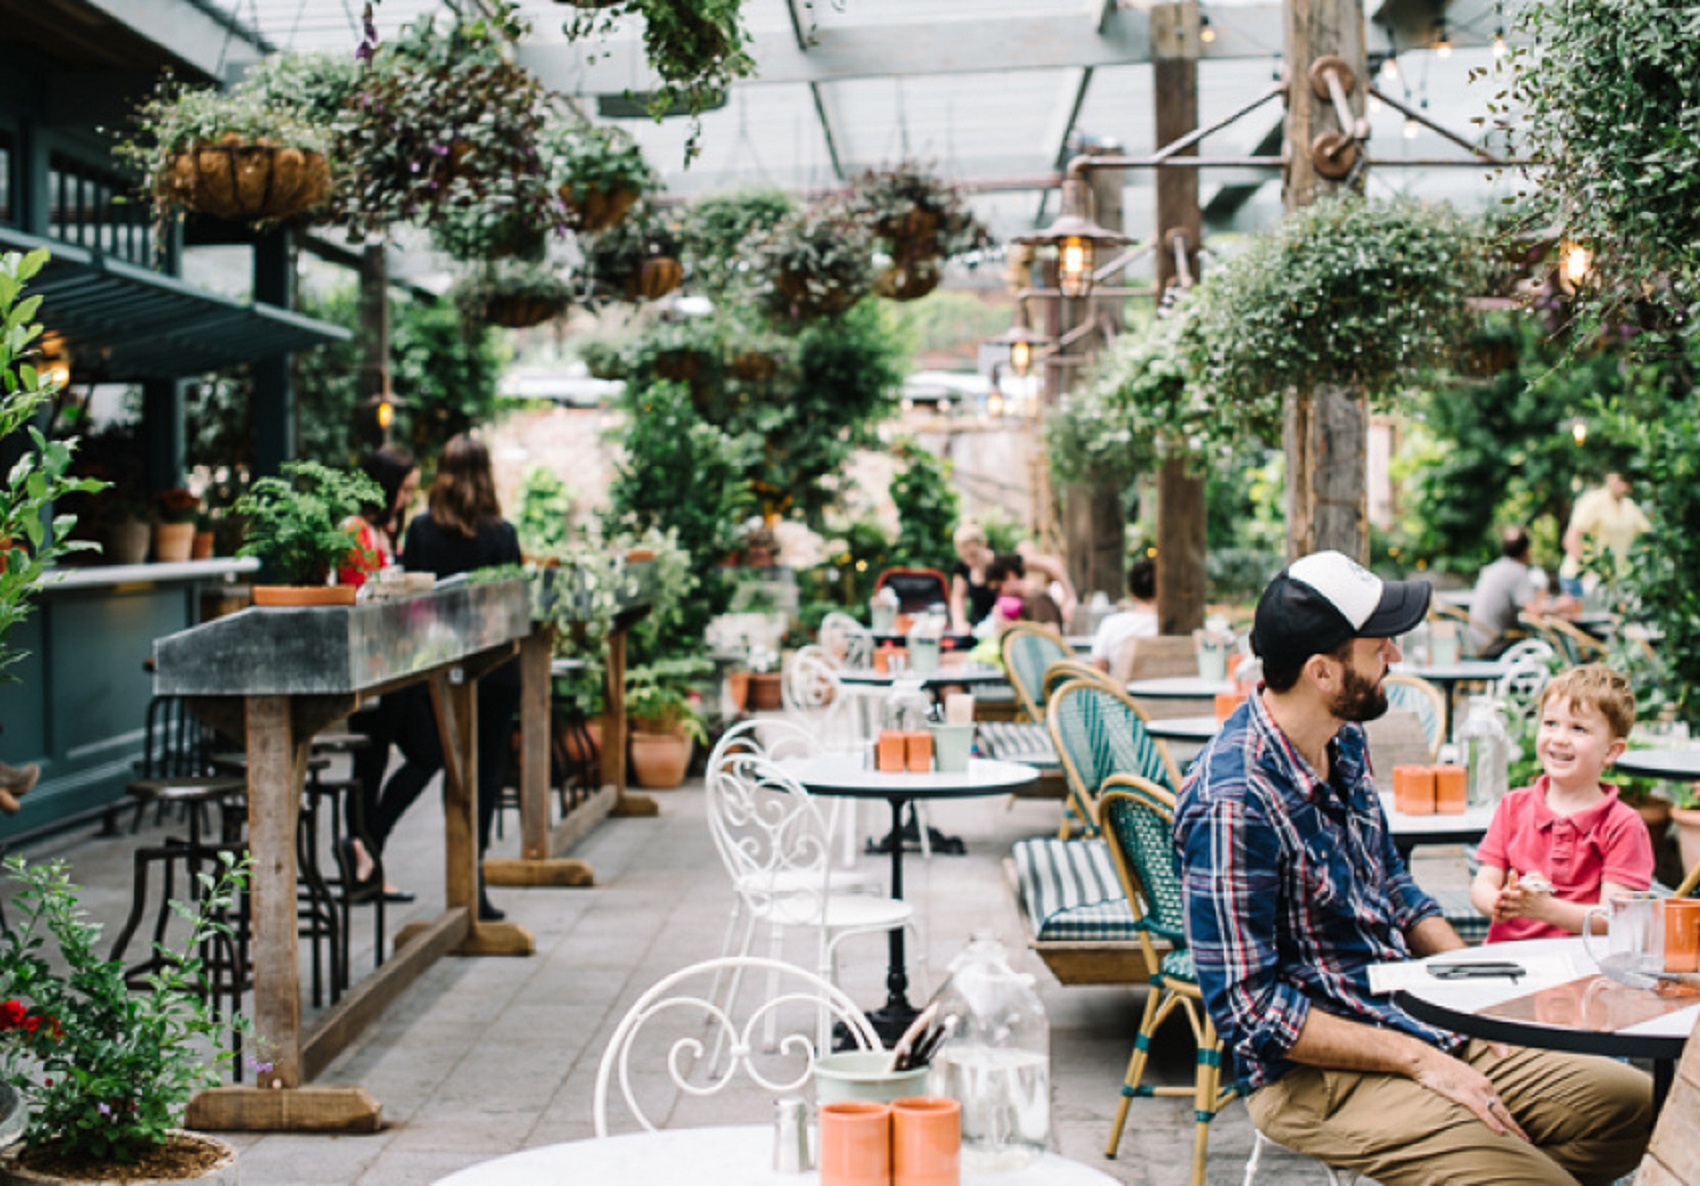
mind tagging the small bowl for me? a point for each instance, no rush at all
(861, 1075)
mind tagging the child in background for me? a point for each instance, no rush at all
(1564, 844)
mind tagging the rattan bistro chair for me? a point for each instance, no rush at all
(1426, 701)
(669, 1016)
(1137, 817)
(1028, 650)
(1099, 731)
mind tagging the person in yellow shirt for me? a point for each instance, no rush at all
(1605, 517)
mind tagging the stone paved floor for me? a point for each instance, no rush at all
(485, 1056)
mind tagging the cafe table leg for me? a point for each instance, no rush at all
(892, 1018)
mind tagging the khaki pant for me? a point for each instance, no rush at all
(1588, 1120)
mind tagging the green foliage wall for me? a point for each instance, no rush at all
(926, 509)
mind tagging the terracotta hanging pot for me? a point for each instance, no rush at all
(245, 181)
(303, 596)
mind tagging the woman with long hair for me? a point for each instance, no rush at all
(463, 530)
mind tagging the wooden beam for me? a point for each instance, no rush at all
(300, 1109)
(534, 747)
(277, 772)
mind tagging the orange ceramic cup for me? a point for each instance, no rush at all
(1413, 790)
(855, 1143)
(1449, 790)
(1682, 934)
(889, 757)
(926, 1141)
(918, 747)
(882, 660)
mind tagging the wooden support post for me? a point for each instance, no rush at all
(614, 734)
(1324, 431)
(277, 773)
(535, 865)
(1180, 492)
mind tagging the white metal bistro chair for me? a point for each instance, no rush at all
(846, 641)
(775, 843)
(1336, 1177)
(670, 1015)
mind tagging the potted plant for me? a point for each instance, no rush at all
(916, 215)
(599, 172)
(233, 154)
(715, 234)
(444, 128)
(816, 263)
(205, 536)
(660, 707)
(638, 259)
(696, 46)
(39, 478)
(297, 524)
(513, 294)
(106, 1068)
(174, 524)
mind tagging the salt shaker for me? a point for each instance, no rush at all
(791, 1137)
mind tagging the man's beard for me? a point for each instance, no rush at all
(1359, 699)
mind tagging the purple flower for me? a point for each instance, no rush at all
(105, 1110)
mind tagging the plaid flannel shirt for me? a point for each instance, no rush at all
(1293, 888)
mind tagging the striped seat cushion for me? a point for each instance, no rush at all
(1071, 890)
(1470, 923)
(1010, 741)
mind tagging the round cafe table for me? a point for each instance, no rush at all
(732, 1156)
(1673, 765)
(846, 776)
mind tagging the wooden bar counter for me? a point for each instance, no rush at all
(274, 677)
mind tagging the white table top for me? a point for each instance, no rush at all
(966, 674)
(1199, 728)
(1178, 687)
(1676, 764)
(735, 1156)
(1471, 824)
(1464, 669)
(1551, 962)
(839, 774)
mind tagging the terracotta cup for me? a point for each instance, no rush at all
(926, 1142)
(1413, 790)
(1682, 934)
(855, 1143)
(918, 746)
(891, 752)
(1450, 790)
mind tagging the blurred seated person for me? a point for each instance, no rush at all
(1006, 576)
(764, 585)
(971, 595)
(1505, 589)
(1139, 620)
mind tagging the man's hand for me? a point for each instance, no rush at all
(1463, 1084)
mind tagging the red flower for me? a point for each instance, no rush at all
(11, 1014)
(32, 1023)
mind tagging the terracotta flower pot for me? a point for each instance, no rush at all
(659, 760)
(765, 691)
(303, 596)
(127, 541)
(172, 542)
(202, 548)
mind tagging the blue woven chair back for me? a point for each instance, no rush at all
(1422, 698)
(1137, 818)
(1098, 732)
(1027, 651)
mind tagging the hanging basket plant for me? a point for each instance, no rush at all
(513, 295)
(444, 131)
(229, 154)
(696, 47)
(915, 214)
(600, 174)
(817, 263)
(908, 279)
(636, 260)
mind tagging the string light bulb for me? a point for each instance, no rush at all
(1578, 262)
(1442, 44)
(1206, 31)
(1579, 431)
(1412, 128)
(1499, 47)
(1390, 68)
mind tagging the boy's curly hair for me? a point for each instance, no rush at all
(1594, 685)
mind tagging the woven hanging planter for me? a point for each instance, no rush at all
(809, 302)
(752, 366)
(242, 181)
(522, 310)
(916, 232)
(596, 210)
(657, 277)
(908, 279)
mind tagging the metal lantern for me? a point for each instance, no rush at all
(1077, 240)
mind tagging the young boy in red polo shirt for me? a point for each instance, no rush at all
(1566, 843)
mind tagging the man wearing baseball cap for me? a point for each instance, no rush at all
(1293, 889)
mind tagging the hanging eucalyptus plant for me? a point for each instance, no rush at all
(817, 263)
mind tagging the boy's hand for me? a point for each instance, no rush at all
(1523, 897)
